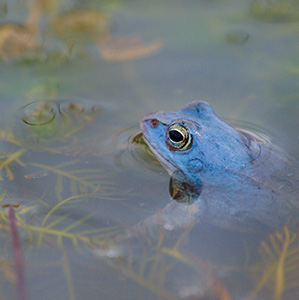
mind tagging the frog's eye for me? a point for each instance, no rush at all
(178, 136)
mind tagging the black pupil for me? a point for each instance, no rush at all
(175, 136)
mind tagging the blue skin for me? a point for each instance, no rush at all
(244, 183)
(217, 148)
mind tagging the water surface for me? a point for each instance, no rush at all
(76, 77)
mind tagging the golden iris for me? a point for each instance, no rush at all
(178, 136)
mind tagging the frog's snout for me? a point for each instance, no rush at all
(143, 125)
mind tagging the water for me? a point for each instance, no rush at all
(76, 77)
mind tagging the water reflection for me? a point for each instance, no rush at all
(132, 152)
(183, 192)
(80, 25)
(78, 28)
(89, 195)
(17, 40)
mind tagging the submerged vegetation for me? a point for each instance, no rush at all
(275, 273)
(158, 263)
(278, 270)
(40, 132)
(47, 220)
(41, 218)
(73, 30)
(62, 199)
(50, 125)
(275, 10)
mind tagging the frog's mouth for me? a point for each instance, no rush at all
(166, 163)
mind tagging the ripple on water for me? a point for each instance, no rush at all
(250, 130)
(42, 112)
(38, 113)
(59, 124)
(131, 151)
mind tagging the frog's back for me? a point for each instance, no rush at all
(267, 195)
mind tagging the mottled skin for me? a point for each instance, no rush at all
(244, 184)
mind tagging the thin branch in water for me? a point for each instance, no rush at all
(68, 276)
(19, 263)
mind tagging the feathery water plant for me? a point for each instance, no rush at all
(278, 269)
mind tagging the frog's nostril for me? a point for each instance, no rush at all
(154, 123)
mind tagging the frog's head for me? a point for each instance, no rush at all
(195, 145)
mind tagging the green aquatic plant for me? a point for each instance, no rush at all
(90, 238)
(149, 271)
(161, 261)
(275, 10)
(215, 287)
(14, 221)
(53, 126)
(45, 89)
(80, 179)
(17, 40)
(73, 183)
(56, 224)
(9, 159)
(84, 184)
(278, 270)
(77, 25)
(52, 120)
(68, 275)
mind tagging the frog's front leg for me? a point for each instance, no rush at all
(175, 216)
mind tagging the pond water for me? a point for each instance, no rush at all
(76, 77)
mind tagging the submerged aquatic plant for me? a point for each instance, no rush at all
(18, 256)
(84, 185)
(50, 121)
(18, 40)
(275, 10)
(14, 221)
(15, 40)
(56, 224)
(278, 270)
(73, 181)
(149, 271)
(9, 159)
(46, 132)
(80, 25)
(158, 264)
(53, 125)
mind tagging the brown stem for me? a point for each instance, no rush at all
(19, 263)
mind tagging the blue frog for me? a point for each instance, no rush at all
(243, 182)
